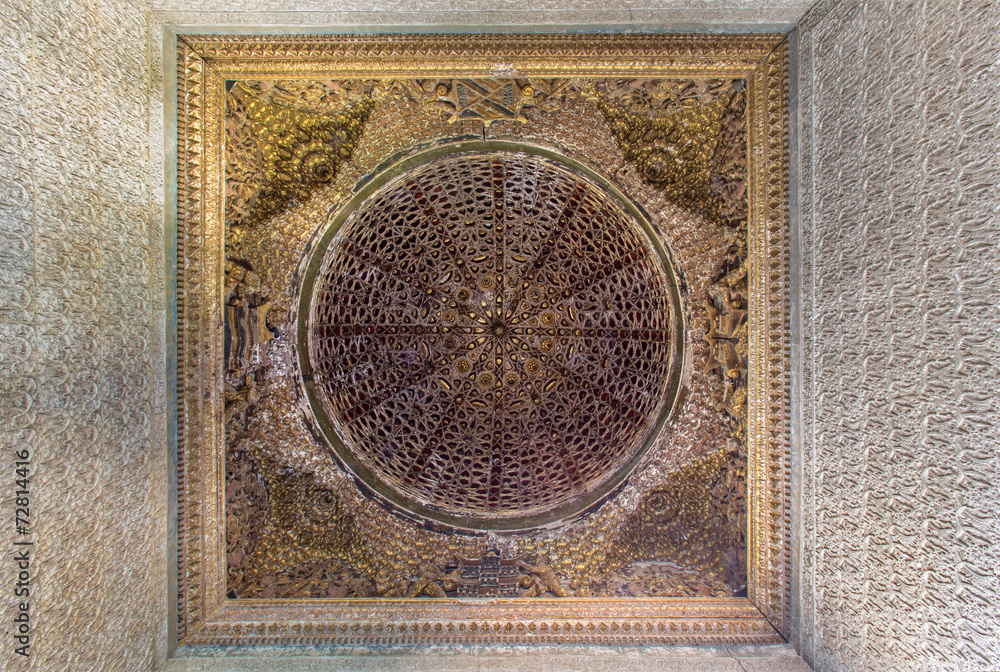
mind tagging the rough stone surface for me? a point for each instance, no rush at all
(900, 197)
(82, 350)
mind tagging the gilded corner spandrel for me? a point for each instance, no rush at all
(542, 69)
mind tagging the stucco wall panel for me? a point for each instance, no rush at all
(77, 320)
(900, 324)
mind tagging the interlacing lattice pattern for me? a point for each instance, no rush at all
(493, 336)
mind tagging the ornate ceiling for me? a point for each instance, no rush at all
(484, 337)
(491, 333)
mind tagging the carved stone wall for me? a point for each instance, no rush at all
(82, 365)
(900, 324)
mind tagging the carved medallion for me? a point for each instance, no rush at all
(485, 99)
(492, 339)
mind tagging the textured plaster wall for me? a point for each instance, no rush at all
(900, 326)
(81, 333)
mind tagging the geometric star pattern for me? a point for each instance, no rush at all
(492, 335)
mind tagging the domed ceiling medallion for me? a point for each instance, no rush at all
(490, 338)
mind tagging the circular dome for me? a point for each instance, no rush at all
(491, 338)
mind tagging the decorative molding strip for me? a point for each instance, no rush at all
(768, 435)
(190, 183)
(486, 55)
(573, 621)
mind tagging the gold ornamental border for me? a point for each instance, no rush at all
(204, 614)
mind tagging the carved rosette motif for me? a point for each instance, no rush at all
(206, 617)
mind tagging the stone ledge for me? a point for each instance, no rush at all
(776, 658)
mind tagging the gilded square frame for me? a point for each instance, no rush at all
(204, 614)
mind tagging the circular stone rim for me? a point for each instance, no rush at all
(367, 480)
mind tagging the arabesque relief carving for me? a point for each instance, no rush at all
(484, 100)
(685, 141)
(298, 149)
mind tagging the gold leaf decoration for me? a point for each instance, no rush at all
(301, 151)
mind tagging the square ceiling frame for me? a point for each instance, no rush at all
(205, 616)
